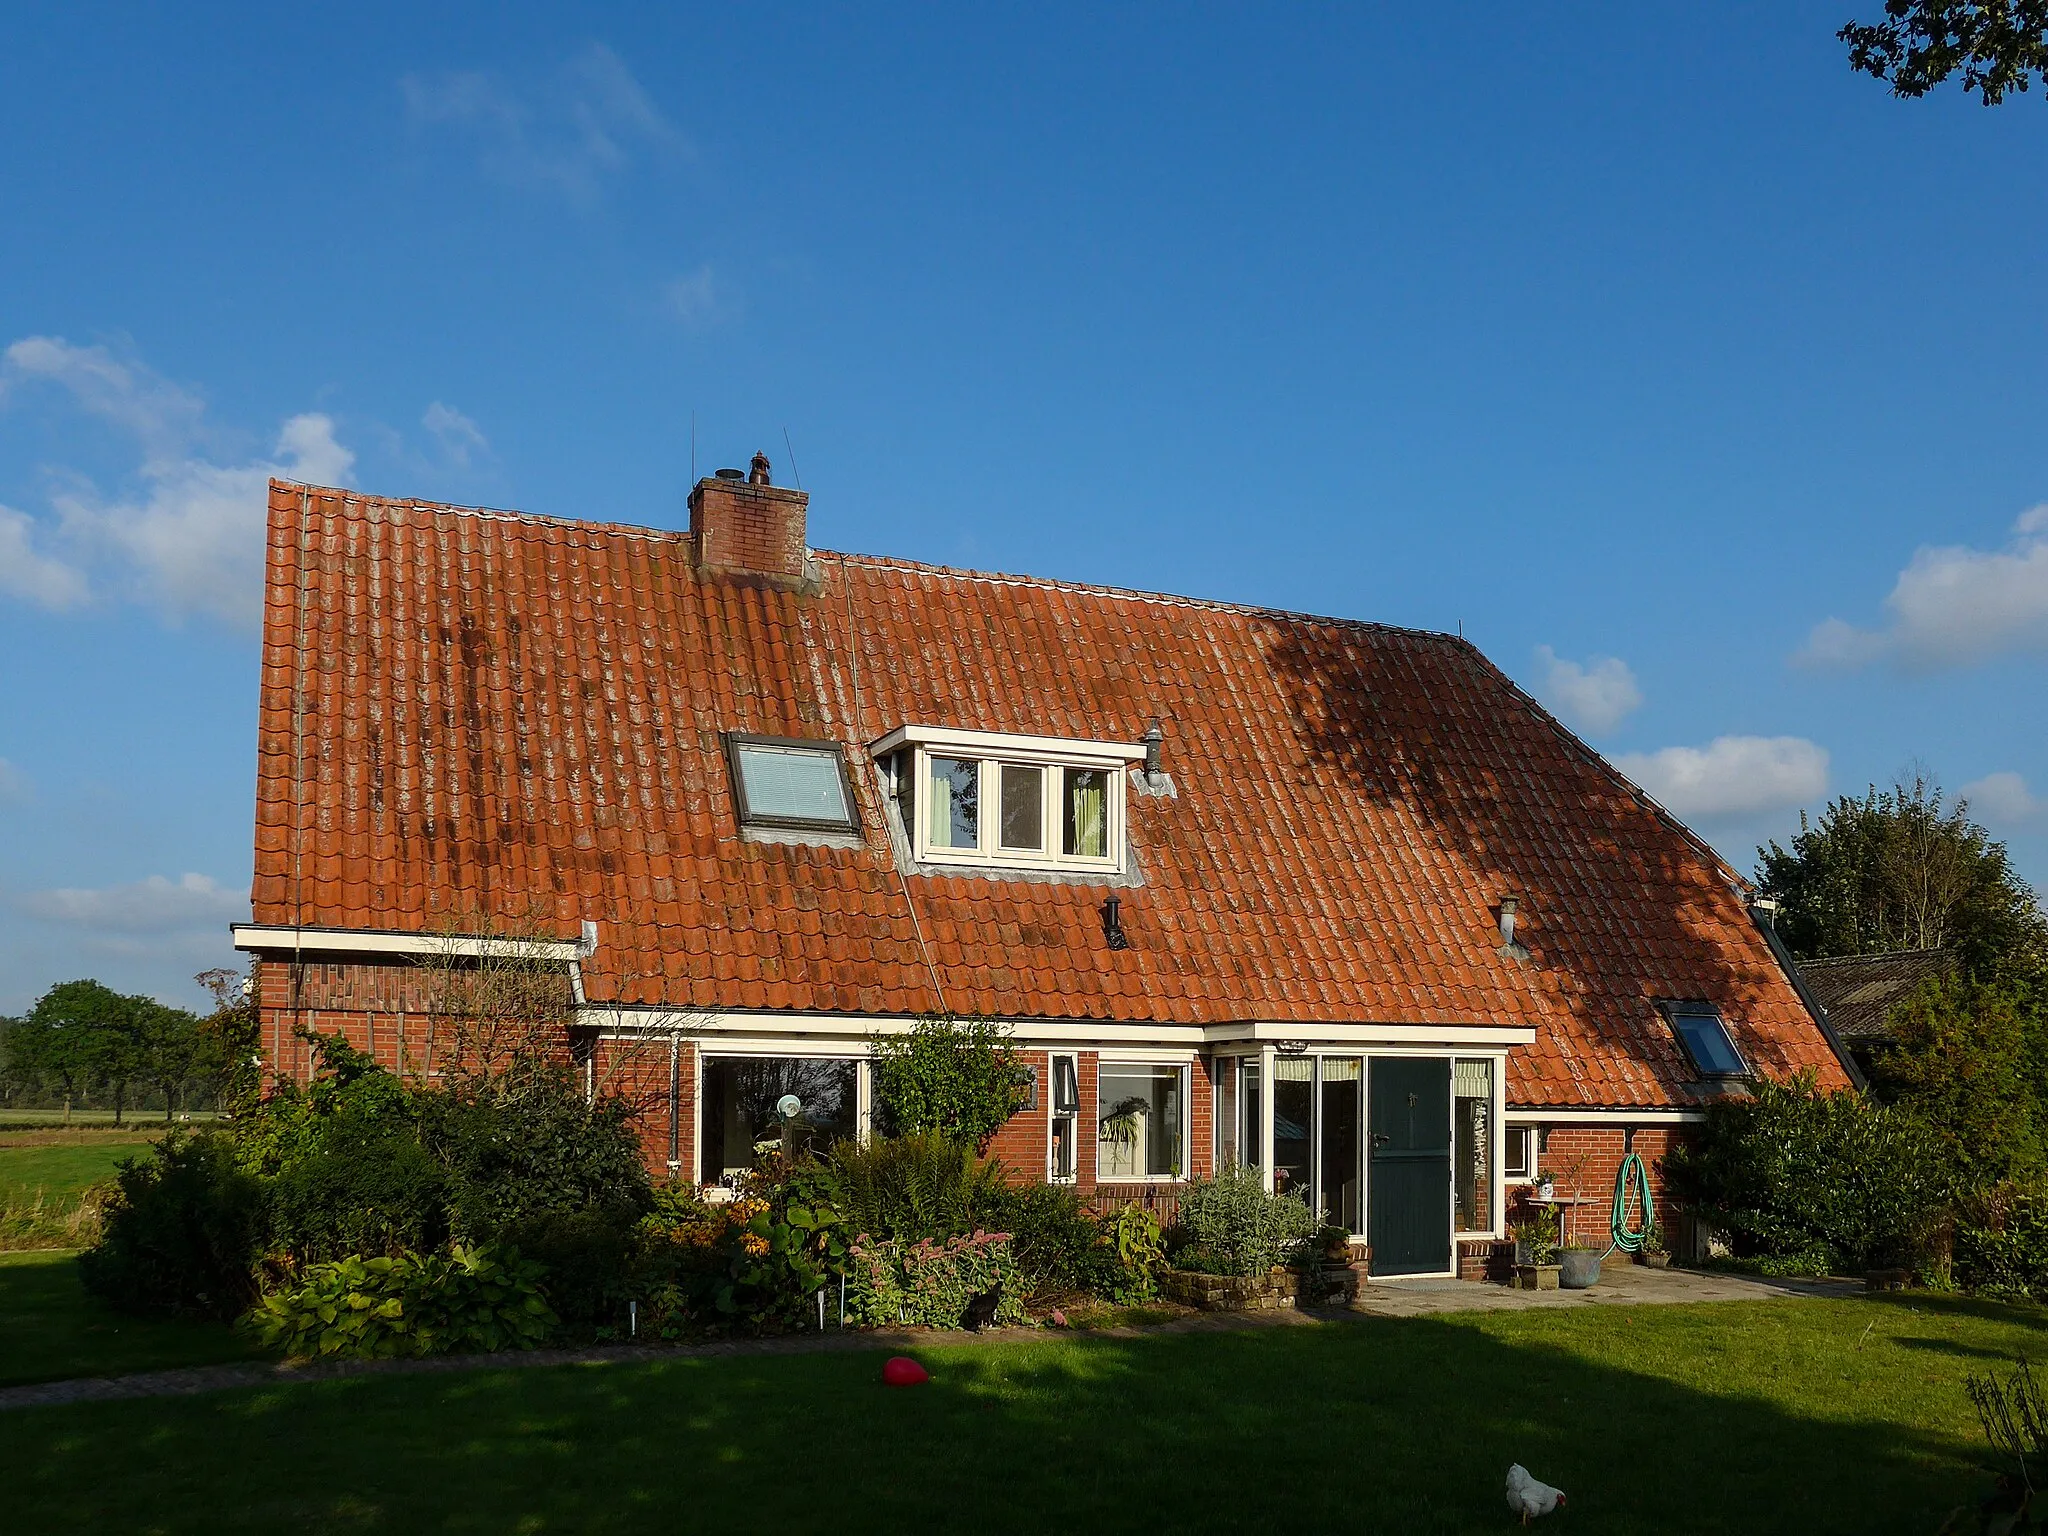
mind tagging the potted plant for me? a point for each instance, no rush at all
(1654, 1255)
(1578, 1269)
(1336, 1243)
(1536, 1266)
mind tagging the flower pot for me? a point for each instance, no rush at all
(1654, 1260)
(1578, 1268)
(1535, 1277)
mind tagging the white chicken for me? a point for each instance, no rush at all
(1528, 1497)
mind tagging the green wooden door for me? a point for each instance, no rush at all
(1409, 1168)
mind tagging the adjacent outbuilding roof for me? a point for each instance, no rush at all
(469, 712)
(1860, 991)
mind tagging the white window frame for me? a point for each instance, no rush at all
(990, 751)
(1053, 1114)
(1528, 1176)
(1186, 1069)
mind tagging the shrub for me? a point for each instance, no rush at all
(591, 1262)
(1240, 1224)
(932, 1284)
(409, 1304)
(1960, 1059)
(181, 1232)
(364, 1186)
(1058, 1244)
(948, 1076)
(2001, 1242)
(912, 1187)
(1133, 1241)
(537, 1149)
(1811, 1181)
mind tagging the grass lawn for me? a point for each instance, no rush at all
(1792, 1416)
(51, 1329)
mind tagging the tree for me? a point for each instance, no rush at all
(1999, 45)
(57, 1039)
(956, 1077)
(229, 1059)
(1899, 869)
(1963, 1062)
(168, 1048)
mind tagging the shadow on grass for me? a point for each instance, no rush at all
(1378, 1425)
(51, 1329)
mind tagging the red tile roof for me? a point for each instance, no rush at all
(519, 715)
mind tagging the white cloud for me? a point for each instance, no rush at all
(1595, 697)
(569, 134)
(2003, 799)
(155, 905)
(1952, 606)
(1731, 775)
(14, 784)
(458, 436)
(701, 297)
(30, 575)
(192, 540)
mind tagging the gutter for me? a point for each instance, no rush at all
(1761, 916)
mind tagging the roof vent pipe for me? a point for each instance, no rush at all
(1154, 739)
(731, 474)
(1507, 919)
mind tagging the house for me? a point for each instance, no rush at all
(1329, 898)
(1857, 993)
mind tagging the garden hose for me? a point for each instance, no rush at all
(1627, 1239)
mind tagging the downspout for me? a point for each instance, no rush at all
(1761, 916)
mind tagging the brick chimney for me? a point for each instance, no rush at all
(749, 527)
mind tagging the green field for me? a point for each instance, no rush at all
(1789, 1416)
(60, 1170)
(148, 1120)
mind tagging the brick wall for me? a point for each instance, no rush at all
(1584, 1159)
(380, 1007)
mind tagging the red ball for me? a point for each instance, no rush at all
(902, 1371)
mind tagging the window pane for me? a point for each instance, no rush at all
(1251, 1141)
(1294, 1109)
(1139, 1134)
(1023, 807)
(1472, 1144)
(757, 1104)
(1343, 1114)
(1226, 1112)
(1085, 813)
(1519, 1152)
(1706, 1040)
(794, 783)
(955, 803)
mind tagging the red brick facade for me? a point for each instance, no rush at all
(752, 529)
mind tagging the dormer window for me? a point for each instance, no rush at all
(1704, 1035)
(793, 784)
(1013, 802)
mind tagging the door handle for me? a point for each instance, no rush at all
(1380, 1139)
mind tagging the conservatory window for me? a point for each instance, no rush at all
(1139, 1122)
(782, 782)
(754, 1105)
(1705, 1038)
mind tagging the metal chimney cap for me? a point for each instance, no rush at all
(731, 474)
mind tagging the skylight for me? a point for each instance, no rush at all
(1705, 1037)
(781, 782)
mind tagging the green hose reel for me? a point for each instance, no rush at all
(1631, 1178)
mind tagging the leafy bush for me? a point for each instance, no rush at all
(1241, 1225)
(364, 1186)
(181, 1233)
(409, 1304)
(2001, 1242)
(1961, 1059)
(912, 1187)
(948, 1076)
(1133, 1239)
(1813, 1181)
(1058, 1244)
(932, 1284)
(591, 1259)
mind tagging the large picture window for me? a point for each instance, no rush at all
(1140, 1122)
(753, 1105)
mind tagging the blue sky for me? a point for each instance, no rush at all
(1701, 382)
